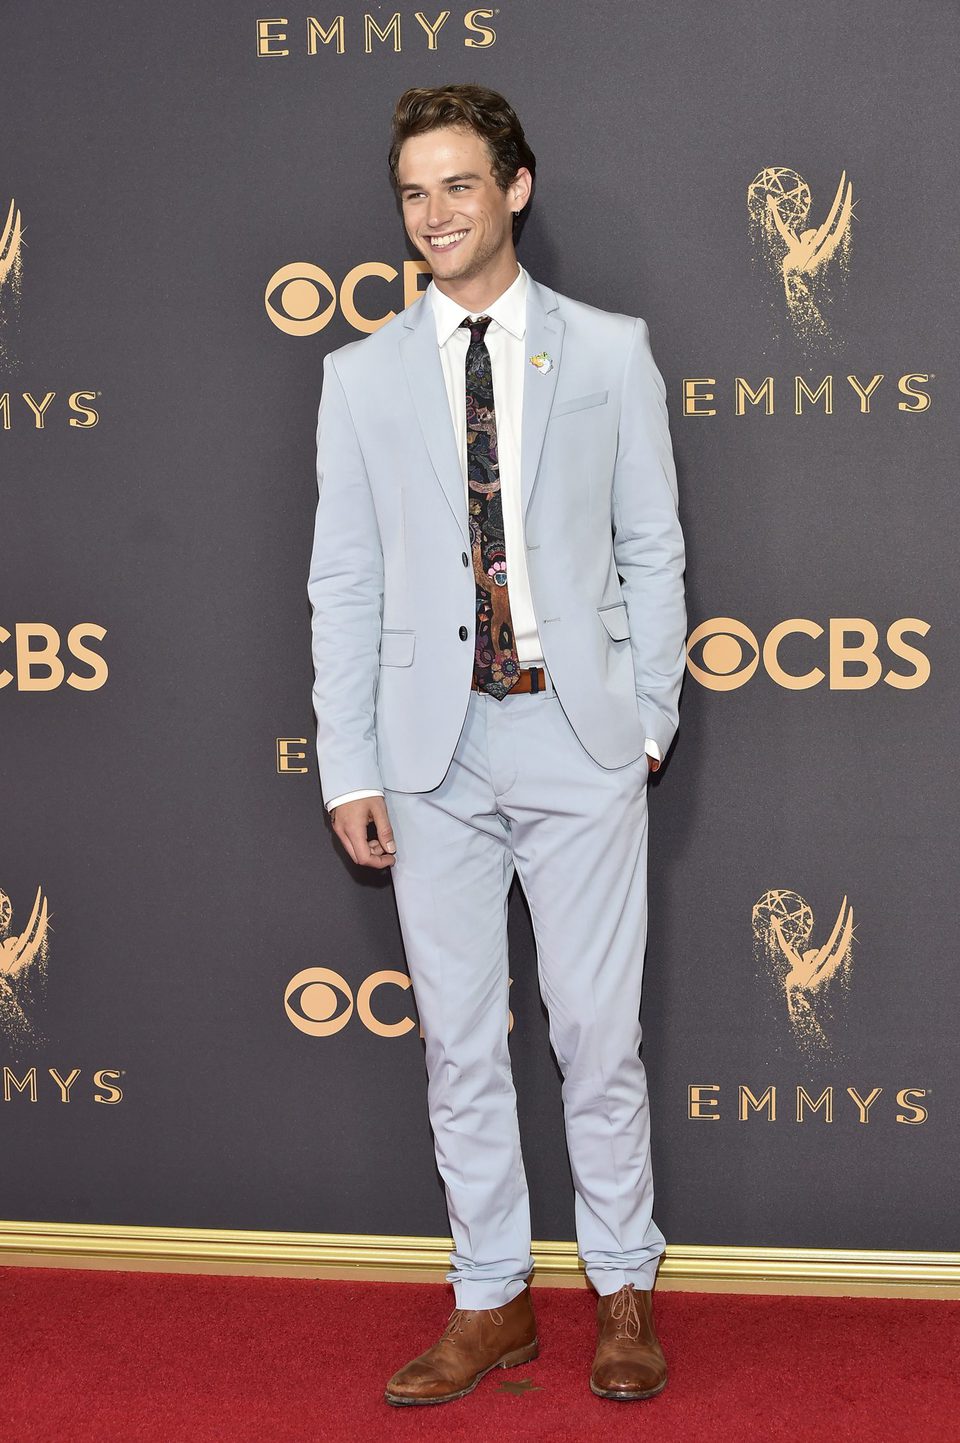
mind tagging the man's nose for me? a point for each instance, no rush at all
(438, 212)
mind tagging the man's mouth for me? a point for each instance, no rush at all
(444, 242)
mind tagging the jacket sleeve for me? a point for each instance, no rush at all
(648, 542)
(345, 588)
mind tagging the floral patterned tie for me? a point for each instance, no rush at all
(496, 664)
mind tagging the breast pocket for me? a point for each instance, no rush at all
(579, 403)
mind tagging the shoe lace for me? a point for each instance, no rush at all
(459, 1316)
(624, 1309)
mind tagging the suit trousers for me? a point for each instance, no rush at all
(522, 794)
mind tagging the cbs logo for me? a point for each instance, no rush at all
(315, 998)
(39, 667)
(320, 1002)
(301, 298)
(729, 654)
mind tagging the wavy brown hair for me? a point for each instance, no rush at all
(470, 107)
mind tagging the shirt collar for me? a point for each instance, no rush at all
(509, 310)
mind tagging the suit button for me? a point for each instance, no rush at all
(464, 633)
(465, 559)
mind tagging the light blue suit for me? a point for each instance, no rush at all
(553, 786)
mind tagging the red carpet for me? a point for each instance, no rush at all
(93, 1357)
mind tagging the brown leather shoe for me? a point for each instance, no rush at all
(629, 1361)
(474, 1341)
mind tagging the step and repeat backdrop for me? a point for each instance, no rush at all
(205, 1017)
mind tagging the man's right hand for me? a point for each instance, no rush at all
(351, 821)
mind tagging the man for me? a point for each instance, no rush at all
(498, 638)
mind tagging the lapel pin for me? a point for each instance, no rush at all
(543, 362)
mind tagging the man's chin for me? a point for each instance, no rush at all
(445, 268)
(454, 268)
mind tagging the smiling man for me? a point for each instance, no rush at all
(498, 642)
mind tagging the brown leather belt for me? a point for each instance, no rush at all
(532, 679)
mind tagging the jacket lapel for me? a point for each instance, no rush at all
(544, 333)
(421, 360)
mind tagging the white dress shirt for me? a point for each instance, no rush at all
(504, 337)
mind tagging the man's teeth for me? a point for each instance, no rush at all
(440, 241)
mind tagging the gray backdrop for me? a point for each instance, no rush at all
(164, 172)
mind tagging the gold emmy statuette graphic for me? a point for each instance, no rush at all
(804, 260)
(11, 273)
(782, 924)
(23, 959)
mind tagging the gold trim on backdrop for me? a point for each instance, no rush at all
(691, 1268)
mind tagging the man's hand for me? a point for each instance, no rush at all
(351, 821)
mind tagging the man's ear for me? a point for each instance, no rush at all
(519, 189)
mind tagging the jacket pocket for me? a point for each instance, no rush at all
(579, 403)
(615, 620)
(396, 647)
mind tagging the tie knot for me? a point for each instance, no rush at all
(477, 329)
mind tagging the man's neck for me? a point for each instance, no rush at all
(476, 293)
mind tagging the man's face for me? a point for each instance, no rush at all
(453, 210)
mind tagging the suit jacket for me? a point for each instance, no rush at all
(393, 598)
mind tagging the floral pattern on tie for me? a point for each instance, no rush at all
(496, 664)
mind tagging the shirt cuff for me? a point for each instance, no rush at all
(653, 751)
(349, 797)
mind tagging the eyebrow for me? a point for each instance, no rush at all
(447, 180)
